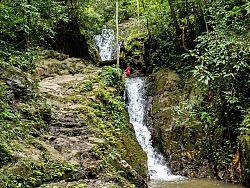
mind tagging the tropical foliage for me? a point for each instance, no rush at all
(205, 41)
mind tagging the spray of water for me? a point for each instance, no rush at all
(157, 167)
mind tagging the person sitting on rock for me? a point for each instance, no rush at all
(127, 72)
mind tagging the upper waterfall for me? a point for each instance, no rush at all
(157, 167)
(105, 43)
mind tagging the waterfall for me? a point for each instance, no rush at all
(105, 44)
(157, 167)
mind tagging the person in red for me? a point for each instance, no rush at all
(127, 71)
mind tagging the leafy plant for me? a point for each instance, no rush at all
(5, 155)
(111, 76)
(86, 86)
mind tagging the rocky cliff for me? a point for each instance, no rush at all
(73, 131)
(183, 130)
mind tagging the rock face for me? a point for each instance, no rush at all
(83, 127)
(183, 133)
(163, 93)
(86, 132)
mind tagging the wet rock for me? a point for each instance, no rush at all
(164, 93)
(40, 71)
(64, 72)
(96, 140)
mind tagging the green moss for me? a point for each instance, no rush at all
(29, 160)
(5, 155)
(37, 111)
(86, 86)
(111, 121)
(162, 80)
(134, 155)
(187, 125)
(30, 173)
(20, 124)
(79, 184)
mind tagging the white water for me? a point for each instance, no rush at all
(157, 167)
(105, 43)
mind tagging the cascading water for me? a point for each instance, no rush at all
(136, 108)
(105, 43)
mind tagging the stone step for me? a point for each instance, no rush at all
(68, 122)
(76, 131)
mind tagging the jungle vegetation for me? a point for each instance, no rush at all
(206, 41)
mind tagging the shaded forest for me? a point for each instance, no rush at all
(206, 42)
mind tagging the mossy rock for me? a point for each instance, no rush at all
(31, 173)
(175, 139)
(5, 155)
(51, 67)
(162, 80)
(88, 105)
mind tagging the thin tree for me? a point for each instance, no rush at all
(117, 34)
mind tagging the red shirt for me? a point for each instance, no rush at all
(127, 71)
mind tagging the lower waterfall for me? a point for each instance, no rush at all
(136, 102)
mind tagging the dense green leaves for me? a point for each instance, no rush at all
(213, 35)
(25, 24)
(5, 155)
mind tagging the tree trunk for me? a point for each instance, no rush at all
(174, 17)
(27, 38)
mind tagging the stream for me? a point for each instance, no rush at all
(159, 173)
(157, 167)
(194, 183)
